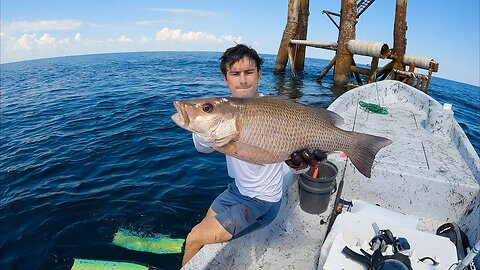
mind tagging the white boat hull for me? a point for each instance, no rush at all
(431, 172)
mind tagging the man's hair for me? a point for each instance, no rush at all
(237, 52)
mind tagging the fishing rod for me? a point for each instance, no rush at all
(469, 258)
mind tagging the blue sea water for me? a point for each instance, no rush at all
(87, 148)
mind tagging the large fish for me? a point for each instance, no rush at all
(267, 130)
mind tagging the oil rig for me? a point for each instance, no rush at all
(401, 67)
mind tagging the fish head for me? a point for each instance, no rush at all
(212, 119)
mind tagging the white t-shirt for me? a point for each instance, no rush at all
(263, 182)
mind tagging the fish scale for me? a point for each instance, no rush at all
(266, 130)
(283, 126)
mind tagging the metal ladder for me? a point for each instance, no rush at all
(362, 5)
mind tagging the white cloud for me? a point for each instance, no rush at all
(29, 42)
(124, 39)
(6, 40)
(167, 33)
(47, 39)
(40, 25)
(64, 42)
(25, 42)
(178, 35)
(25, 46)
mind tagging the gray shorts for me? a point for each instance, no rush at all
(240, 214)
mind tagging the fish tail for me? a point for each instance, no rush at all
(363, 150)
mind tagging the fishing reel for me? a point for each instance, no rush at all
(385, 238)
(379, 244)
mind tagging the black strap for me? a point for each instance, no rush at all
(357, 257)
(377, 260)
(453, 232)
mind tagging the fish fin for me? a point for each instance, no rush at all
(332, 117)
(244, 151)
(227, 149)
(363, 150)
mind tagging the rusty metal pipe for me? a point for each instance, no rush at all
(368, 48)
(327, 68)
(400, 33)
(301, 33)
(421, 62)
(348, 14)
(374, 69)
(387, 68)
(361, 70)
(288, 34)
(409, 74)
(357, 75)
(317, 44)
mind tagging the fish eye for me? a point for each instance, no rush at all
(207, 107)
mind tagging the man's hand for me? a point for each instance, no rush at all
(301, 160)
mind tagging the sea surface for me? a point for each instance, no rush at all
(87, 148)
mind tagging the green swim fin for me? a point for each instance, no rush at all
(83, 264)
(163, 245)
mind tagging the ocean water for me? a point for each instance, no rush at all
(87, 148)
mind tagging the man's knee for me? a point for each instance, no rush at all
(194, 237)
(208, 231)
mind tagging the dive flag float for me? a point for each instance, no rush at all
(132, 241)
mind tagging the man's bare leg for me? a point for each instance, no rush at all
(208, 231)
(210, 213)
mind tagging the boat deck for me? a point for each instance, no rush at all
(430, 172)
(427, 171)
(292, 241)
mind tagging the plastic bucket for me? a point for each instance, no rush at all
(315, 192)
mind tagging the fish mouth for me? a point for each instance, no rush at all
(181, 117)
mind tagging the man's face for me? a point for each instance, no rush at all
(242, 78)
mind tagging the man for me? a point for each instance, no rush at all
(252, 200)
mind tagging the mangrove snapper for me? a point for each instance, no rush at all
(267, 130)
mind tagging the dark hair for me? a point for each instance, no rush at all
(234, 54)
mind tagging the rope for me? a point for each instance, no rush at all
(373, 108)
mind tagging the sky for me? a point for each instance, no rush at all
(446, 31)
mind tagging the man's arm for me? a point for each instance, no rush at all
(200, 145)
